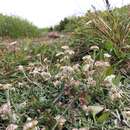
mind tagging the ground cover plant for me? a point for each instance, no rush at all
(79, 81)
(42, 88)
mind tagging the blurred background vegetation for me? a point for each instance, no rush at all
(15, 27)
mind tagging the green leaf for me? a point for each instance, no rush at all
(109, 46)
(117, 80)
(128, 55)
(104, 117)
(108, 71)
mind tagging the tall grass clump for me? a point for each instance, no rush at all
(113, 30)
(110, 29)
(15, 27)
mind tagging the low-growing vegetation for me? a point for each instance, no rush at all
(75, 82)
(42, 88)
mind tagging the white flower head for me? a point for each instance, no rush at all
(89, 22)
(83, 129)
(35, 71)
(75, 129)
(30, 125)
(60, 119)
(43, 128)
(21, 68)
(59, 54)
(65, 47)
(94, 48)
(57, 83)
(65, 58)
(86, 67)
(127, 47)
(46, 75)
(38, 70)
(106, 55)
(91, 81)
(67, 69)
(110, 78)
(76, 67)
(85, 108)
(5, 109)
(13, 43)
(88, 59)
(126, 113)
(46, 60)
(38, 55)
(5, 86)
(102, 64)
(115, 94)
(69, 52)
(12, 127)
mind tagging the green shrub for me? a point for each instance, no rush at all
(15, 27)
(67, 25)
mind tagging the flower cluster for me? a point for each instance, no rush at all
(65, 54)
(62, 93)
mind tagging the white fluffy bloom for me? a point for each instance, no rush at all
(30, 125)
(65, 47)
(76, 67)
(108, 81)
(35, 71)
(89, 22)
(85, 108)
(13, 43)
(88, 59)
(5, 86)
(69, 52)
(101, 64)
(56, 83)
(115, 94)
(110, 78)
(91, 81)
(94, 48)
(126, 113)
(20, 67)
(65, 72)
(41, 71)
(46, 75)
(5, 109)
(106, 55)
(126, 47)
(21, 105)
(80, 128)
(83, 129)
(67, 69)
(44, 128)
(12, 127)
(86, 67)
(60, 119)
(59, 54)
(65, 58)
